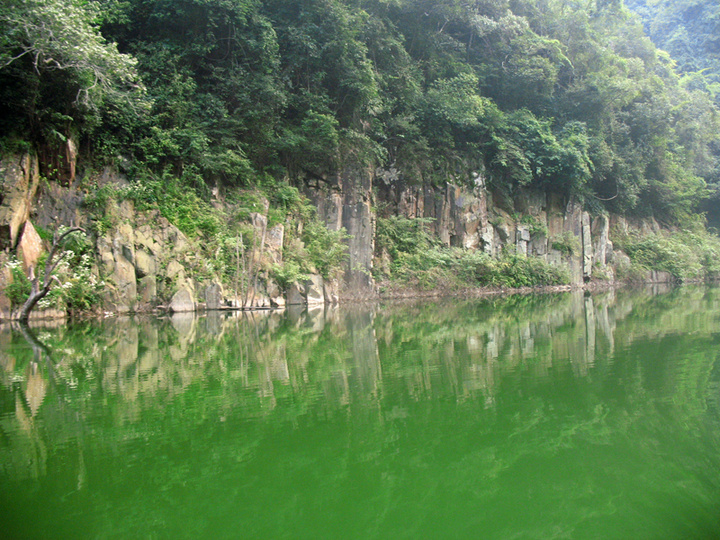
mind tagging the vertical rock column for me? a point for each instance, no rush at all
(358, 220)
(19, 180)
(116, 251)
(587, 247)
(346, 201)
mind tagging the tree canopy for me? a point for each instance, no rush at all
(566, 96)
(57, 71)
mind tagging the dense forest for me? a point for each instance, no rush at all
(571, 97)
(690, 31)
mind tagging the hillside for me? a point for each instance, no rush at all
(210, 113)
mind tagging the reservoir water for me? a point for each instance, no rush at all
(538, 416)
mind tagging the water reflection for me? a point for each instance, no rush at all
(469, 389)
(459, 348)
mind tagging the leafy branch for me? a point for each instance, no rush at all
(38, 292)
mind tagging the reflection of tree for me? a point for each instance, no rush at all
(26, 453)
(462, 348)
(409, 408)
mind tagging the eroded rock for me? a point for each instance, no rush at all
(30, 247)
(314, 290)
(183, 300)
(214, 296)
(19, 180)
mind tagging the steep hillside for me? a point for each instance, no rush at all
(406, 123)
(690, 31)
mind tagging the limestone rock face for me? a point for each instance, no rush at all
(601, 240)
(470, 216)
(275, 295)
(459, 214)
(314, 290)
(175, 270)
(184, 299)
(121, 286)
(125, 280)
(587, 247)
(274, 239)
(295, 294)
(145, 263)
(522, 239)
(142, 258)
(5, 279)
(147, 290)
(358, 220)
(330, 291)
(123, 253)
(658, 276)
(19, 179)
(308, 292)
(30, 247)
(346, 201)
(214, 297)
(57, 204)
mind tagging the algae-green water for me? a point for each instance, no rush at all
(539, 416)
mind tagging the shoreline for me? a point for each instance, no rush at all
(55, 317)
(485, 292)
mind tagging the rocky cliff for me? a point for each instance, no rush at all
(146, 262)
(533, 223)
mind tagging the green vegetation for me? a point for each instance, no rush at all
(414, 262)
(687, 29)
(566, 243)
(19, 289)
(229, 239)
(567, 97)
(688, 256)
(259, 100)
(75, 285)
(60, 79)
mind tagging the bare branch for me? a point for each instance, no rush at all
(6, 64)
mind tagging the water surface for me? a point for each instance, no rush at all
(549, 416)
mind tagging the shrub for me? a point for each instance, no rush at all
(566, 243)
(535, 226)
(398, 234)
(287, 273)
(326, 249)
(687, 256)
(19, 290)
(455, 268)
(79, 288)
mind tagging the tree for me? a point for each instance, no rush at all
(60, 36)
(57, 71)
(38, 292)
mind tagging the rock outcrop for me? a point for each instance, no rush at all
(147, 263)
(346, 200)
(532, 224)
(19, 180)
(30, 247)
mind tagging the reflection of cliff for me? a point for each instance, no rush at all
(472, 344)
(261, 363)
(369, 417)
(460, 346)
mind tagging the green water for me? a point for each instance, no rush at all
(550, 416)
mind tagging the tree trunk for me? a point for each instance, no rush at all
(37, 293)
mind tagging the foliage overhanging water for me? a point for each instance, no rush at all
(550, 416)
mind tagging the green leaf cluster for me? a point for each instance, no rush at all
(688, 256)
(417, 261)
(568, 97)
